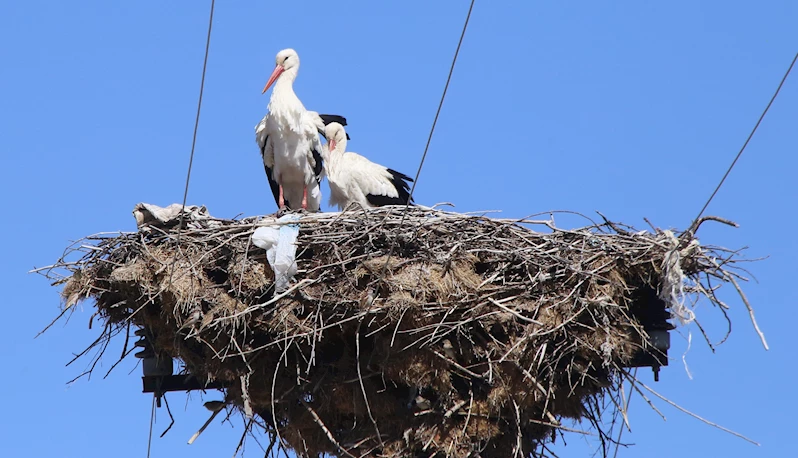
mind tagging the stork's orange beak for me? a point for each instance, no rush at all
(332, 145)
(278, 70)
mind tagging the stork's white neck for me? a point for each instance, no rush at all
(283, 97)
(287, 78)
(338, 152)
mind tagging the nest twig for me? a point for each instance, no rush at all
(480, 338)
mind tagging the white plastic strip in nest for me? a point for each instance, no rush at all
(672, 282)
(279, 241)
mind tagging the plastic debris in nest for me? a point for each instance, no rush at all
(673, 278)
(280, 245)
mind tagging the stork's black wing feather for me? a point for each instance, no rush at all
(317, 168)
(275, 187)
(401, 182)
(272, 184)
(328, 118)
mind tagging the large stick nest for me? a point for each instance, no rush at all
(404, 333)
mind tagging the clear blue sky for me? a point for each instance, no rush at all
(630, 108)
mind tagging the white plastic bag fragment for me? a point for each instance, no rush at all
(672, 281)
(672, 288)
(266, 237)
(279, 241)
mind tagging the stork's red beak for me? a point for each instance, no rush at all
(278, 70)
(332, 145)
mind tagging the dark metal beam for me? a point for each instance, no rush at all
(167, 383)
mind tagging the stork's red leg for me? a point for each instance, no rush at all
(280, 199)
(305, 198)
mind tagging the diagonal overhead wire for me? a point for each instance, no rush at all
(440, 104)
(747, 140)
(152, 421)
(196, 127)
(199, 106)
(404, 213)
(196, 123)
(188, 178)
(429, 138)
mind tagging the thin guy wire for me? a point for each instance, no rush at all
(188, 175)
(740, 153)
(152, 421)
(628, 401)
(407, 204)
(194, 137)
(429, 138)
(196, 120)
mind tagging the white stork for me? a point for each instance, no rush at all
(288, 138)
(353, 178)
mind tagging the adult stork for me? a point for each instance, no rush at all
(353, 178)
(288, 138)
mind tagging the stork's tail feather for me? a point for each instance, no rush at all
(401, 183)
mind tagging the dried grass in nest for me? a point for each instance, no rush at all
(476, 335)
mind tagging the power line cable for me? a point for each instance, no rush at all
(188, 176)
(429, 138)
(196, 120)
(152, 421)
(740, 153)
(440, 104)
(407, 205)
(625, 414)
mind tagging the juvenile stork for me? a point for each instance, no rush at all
(288, 138)
(353, 178)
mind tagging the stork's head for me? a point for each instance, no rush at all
(287, 59)
(336, 136)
